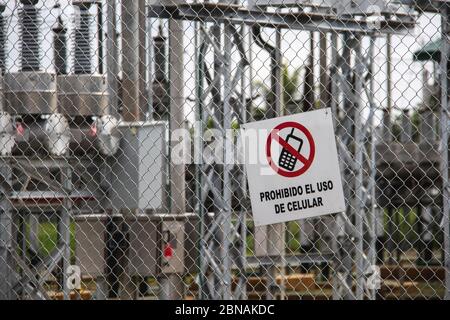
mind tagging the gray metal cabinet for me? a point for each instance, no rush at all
(138, 171)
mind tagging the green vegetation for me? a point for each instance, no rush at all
(404, 221)
(48, 238)
(291, 84)
(293, 236)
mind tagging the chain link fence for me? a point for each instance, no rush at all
(120, 166)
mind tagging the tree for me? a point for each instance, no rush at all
(291, 84)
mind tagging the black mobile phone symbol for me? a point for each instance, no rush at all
(287, 160)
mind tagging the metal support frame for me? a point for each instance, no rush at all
(355, 228)
(356, 241)
(223, 235)
(20, 279)
(355, 236)
(219, 13)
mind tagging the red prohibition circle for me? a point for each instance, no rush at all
(307, 162)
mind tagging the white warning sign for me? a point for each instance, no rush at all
(292, 167)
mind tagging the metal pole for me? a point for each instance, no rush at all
(445, 58)
(198, 159)
(245, 85)
(337, 228)
(388, 138)
(344, 246)
(150, 70)
(176, 80)
(323, 54)
(278, 86)
(227, 151)
(389, 74)
(249, 107)
(275, 232)
(131, 59)
(133, 85)
(334, 76)
(100, 38)
(112, 67)
(359, 204)
(171, 285)
(112, 74)
(64, 227)
(6, 232)
(6, 219)
(142, 66)
(217, 284)
(373, 210)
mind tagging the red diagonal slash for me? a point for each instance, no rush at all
(307, 162)
(288, 147)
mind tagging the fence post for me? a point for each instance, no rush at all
(444, 66)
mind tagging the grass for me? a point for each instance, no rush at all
(404, 222)
(48, 238)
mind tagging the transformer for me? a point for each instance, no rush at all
(30, 91)
(82, 93)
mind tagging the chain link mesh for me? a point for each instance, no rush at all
(120, 171)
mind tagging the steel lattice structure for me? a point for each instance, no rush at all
(65, 157)
(354, 235)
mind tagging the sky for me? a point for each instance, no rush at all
(406, 76)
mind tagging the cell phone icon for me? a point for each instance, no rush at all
(287, 160)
